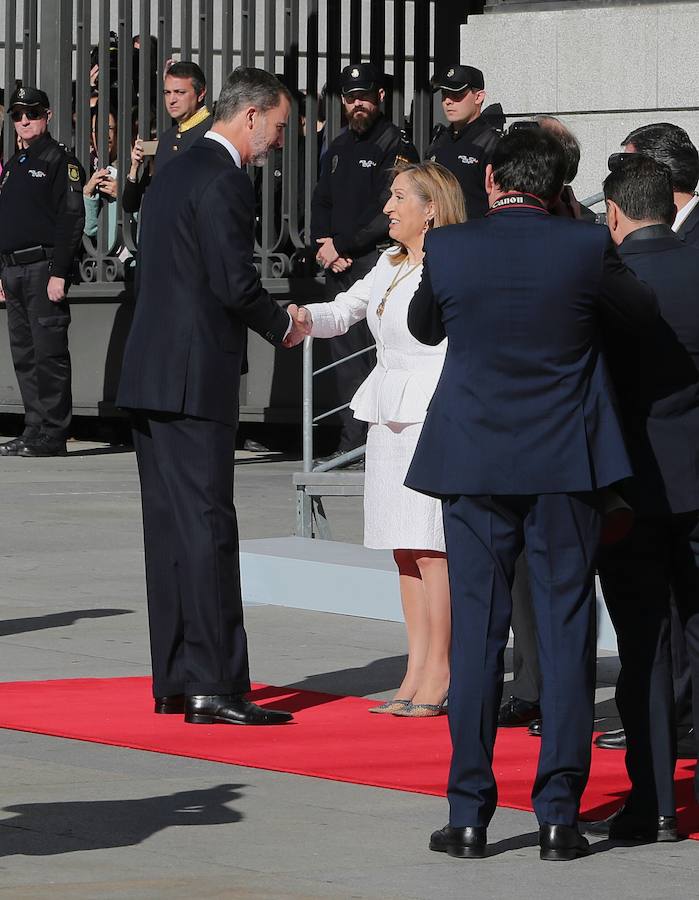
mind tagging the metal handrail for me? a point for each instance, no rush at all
(309, 420)
(593, 200)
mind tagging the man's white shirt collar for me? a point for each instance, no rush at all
(684, 213)
(219, 138)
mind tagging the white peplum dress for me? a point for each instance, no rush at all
(393, 400)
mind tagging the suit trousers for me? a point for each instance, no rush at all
(484, 537)
(195, 612)
(526, 681)
(38, 331)
(659, 559)
(349, 375)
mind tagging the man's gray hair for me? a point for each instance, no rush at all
(568, 141)
(246, 86)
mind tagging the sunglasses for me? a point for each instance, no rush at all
(31, 114)
(616, 160)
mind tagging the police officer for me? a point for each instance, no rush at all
(465, 146)
(41, 221)
(347, 219)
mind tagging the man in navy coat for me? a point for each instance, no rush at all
(657, 381)
(197, 292)
(521, 434)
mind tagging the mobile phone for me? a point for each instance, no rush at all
(149, 147)
(111, 172)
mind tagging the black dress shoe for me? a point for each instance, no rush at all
(12, 448)
(611, 740)
(535, 728)
(625, 825)
(463, 843)
(229, 709)
(561, 842)
(43, 446)
(174, 703)
(515, 712)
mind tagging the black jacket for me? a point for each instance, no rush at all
(197, 289)
(466, 153)
(689, 230)
(353, 187)
(41, 202)
(657, 376)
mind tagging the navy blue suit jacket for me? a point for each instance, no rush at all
(524, 404)
(657, 377)
(689, 229)
(197, 289)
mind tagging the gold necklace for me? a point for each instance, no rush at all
(394, 284)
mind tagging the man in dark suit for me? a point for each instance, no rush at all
(520, 436)
(669, 144)
(197, 292)
(657, 381)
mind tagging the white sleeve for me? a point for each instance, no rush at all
(336, 317)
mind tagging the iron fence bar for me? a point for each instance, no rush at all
(377, 35)
(333, 58)
(101, 129)
(164, 53)
(126, 227)
(226, 42)
(331, 412)
(422, 103)
(398, 100)
(29, 42)
(311, 162)
(247, 32)
(144, 64)
(8, 132)
(206, 39)
(55, 75)
(186, 30)
(355, 31)
(338, 362)
(82, 81)
(292, 162)
(268, 211)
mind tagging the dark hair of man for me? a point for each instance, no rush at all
(186, 69)
(568, 141)
(642, 189)
(530, 160)
(246, 86)
(671, 145)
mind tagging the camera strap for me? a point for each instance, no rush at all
(517, 200)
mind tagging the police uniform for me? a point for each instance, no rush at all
(348, 206)
(465, 151)
(42, 217)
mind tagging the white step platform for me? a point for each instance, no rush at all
(329, 576)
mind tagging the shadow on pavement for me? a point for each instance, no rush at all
(55, 620)
(46, 829)
(378, 676)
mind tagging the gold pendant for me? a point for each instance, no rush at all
(380, 308)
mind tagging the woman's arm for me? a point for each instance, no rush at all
(338, 316)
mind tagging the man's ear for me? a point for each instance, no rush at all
(489, 180)
(49, 115)
(381, 95)
(612, 217)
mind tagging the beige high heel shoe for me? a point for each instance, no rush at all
(390, 706)
(421, 710)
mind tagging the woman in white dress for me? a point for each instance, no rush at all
(393, 400)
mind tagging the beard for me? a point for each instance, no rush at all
(361, 120)
(259, 148)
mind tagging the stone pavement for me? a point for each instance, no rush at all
(80, 820)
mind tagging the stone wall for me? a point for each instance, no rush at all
(603, 71)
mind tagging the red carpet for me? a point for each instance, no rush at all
(332, 737)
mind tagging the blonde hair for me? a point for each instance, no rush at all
(433, 183)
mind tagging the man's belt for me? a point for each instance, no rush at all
(24, 257)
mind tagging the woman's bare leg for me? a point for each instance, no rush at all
(434, 681)
(412, 597)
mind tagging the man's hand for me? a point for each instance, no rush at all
(327, 254)
(302, 322)
(341, 264)
(2, 293)
(56, 289)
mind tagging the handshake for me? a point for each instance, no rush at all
(301, 325)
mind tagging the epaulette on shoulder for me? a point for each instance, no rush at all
(437, 131)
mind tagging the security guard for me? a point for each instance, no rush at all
(347, 219)
(466, 145)
(41, 221)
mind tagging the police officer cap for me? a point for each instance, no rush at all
(456, 78)
(360, 77)
(29, 96)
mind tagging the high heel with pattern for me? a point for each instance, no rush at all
(390, 706)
